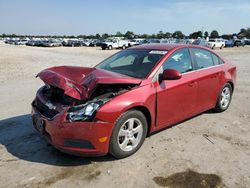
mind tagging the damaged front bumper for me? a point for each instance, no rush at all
(78, 138)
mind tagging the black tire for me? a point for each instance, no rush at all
(114, 148)
(219, 107)
(123, 47)
(110, 47)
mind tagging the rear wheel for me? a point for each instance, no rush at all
(129, 134)
(224, 98)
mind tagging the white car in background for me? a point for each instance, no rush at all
(114, 44)
(216, 43)
(135, 42)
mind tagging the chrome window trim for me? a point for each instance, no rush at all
(160, 70)
(203, 68)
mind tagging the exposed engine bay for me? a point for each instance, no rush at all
(102, 91)
(78, 109)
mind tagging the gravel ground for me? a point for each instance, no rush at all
(209, 150)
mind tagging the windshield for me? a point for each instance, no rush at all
(136, 63)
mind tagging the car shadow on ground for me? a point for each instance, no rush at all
(21, 140)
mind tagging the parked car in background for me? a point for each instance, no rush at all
(21, 42)
(200, 42)
(31, 43)
(51, 43)
(86, 42)
(150, 41)
(112, 107)
(216, 43)
(247, 42)
(229, 43)
(114, 44)
(39, 43)
(97, 42)
(10, 41)
(238, 42)
(153, 41)
(135, 42)
(73, 43)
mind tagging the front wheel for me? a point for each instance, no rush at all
(128, 134)
(224, 98)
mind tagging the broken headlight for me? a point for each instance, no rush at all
(84, 112)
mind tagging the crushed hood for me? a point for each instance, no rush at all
(80, 82)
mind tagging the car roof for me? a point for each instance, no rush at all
(160, 46)
(169, 47)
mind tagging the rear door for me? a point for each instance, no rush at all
(209, 74)
(176, 99)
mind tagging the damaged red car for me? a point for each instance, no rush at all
(113, 106)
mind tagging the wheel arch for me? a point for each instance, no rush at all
(146, 113)
(232, 85)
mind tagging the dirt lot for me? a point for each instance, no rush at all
(208, 150)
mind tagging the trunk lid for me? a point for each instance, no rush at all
(81, 82)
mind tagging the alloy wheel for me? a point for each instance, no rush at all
(225, 97)
(130, 134)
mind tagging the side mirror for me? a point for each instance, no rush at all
(171, 74)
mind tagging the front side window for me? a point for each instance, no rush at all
(203, 58)
(136, 63)
(180, 61)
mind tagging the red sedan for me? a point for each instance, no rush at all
(112, 107)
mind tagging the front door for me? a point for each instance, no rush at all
(176, 99)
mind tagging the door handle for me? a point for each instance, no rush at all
(191, 84)
(216, 75)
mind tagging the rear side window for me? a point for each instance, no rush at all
(220, 61)
(203, 58)
(180, 61)
(215, 59)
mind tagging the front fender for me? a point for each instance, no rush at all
(142, 96)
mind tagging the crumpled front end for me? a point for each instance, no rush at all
(75, 136)
(64, 109)
(81, 82)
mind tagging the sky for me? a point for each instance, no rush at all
(75, 17)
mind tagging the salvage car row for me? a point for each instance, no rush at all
(121, 43)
